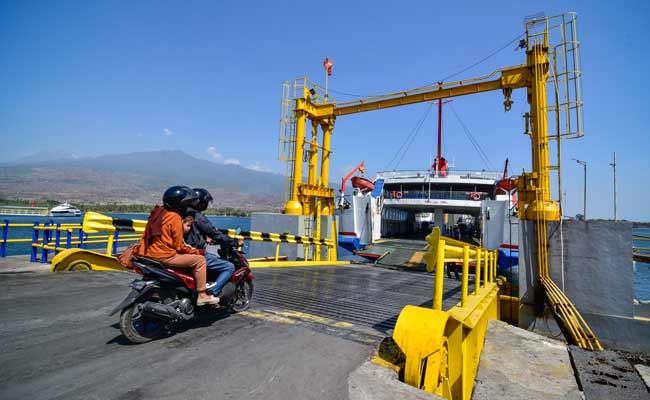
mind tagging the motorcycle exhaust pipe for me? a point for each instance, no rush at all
(163, 311)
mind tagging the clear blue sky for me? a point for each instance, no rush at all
(205, 77)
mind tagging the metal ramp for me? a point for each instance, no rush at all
(366, 296)
(398, 253)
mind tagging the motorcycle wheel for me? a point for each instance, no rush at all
(138, 328)
(243, 295)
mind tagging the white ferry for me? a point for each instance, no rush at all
(407, 204)
(65, 210)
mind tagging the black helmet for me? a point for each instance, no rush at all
(178, 198)
(204, 198)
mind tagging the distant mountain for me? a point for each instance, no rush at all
(139, 178)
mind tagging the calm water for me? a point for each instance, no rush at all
(641, 272)
(25, 248)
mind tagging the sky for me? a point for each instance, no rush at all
(205, 77)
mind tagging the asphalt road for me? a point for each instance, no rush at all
(58, 342)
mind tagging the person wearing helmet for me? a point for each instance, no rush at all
(163, 239)
(203, 233)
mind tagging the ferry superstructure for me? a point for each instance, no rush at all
(404, 203)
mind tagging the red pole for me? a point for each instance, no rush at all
(439, 132)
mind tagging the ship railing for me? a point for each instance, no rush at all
(434, 195)
(463, 174)
(23, 210)
(431, 337)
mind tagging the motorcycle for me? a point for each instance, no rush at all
(165, 296)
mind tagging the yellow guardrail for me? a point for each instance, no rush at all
(442, 348)
(96, 222)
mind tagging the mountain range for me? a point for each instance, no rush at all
(138, 178)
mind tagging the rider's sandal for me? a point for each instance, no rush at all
(212, 300)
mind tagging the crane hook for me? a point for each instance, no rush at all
(507, 104)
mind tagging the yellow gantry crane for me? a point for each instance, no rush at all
(555, 64)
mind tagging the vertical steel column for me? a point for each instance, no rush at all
(439, 278)
(293, 206)
(68, 238)
(327, 127)
(477, 271)
(465, 281)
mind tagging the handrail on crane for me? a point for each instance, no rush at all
(359, 167)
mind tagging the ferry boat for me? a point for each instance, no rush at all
(407, 204)
(65, 210)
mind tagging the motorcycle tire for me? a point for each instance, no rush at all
(243, 296)
(138, 328)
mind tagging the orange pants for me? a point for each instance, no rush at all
(194, 261)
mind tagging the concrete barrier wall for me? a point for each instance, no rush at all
(597, 262)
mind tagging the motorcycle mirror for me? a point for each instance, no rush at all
(238, 230)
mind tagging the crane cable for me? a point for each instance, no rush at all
(409, 139)
(474, 142)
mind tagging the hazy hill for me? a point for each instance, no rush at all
(139, 178)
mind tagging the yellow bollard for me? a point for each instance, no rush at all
(463, 291)
(440, 271)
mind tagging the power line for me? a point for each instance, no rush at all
(474, 142)
(409, 139)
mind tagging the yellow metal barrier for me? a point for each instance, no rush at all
(96, 222)
(442, 348)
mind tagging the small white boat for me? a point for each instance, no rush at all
(65, 210)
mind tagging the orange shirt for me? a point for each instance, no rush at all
(170, 242)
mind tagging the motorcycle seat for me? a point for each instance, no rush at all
(149, 262)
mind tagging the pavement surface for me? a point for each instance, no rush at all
(307, 331)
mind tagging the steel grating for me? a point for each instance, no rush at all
(363, 295)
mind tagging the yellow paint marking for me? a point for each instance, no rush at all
(268, 317)
(381, 362)
(315, 318)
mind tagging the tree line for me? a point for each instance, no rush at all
(118, 208)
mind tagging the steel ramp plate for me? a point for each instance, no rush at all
(366, 296)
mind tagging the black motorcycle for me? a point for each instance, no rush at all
(166, 295)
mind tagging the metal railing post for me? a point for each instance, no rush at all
(440, 271)
(81, 239)
(68, 236)
(46, 240)
(5, 234)
(116, 237)
(486, 253)
(34, 243)
(464, 287)
(477, 271)
(57, 236)
(109, 244)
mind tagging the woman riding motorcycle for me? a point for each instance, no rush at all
(163, 239)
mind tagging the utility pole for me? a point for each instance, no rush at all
(584, 194)
(614, 165)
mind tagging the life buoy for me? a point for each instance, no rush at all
(475, 195)
(398, 195)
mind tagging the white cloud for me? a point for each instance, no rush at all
(168, 132)
(258, 167)
(232, 161)
(212, 152)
